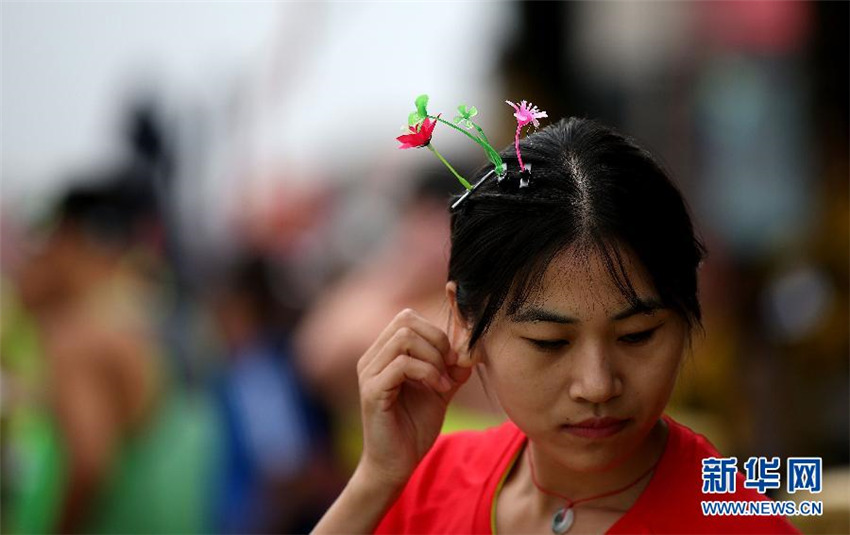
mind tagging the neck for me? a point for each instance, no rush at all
(553, 476)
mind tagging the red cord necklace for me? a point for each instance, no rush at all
(564, 517)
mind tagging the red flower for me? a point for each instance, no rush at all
(420, 135)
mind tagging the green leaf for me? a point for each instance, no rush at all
(481, 133)
(422, 105)
(467, 112)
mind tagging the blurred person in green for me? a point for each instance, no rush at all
(98, 371)
(97, 448)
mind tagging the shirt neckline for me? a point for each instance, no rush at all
(631, 516)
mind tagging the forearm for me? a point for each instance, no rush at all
(359, 508)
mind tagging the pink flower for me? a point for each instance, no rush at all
(527, 113)
(419, 136)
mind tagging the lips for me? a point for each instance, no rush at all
(596, 427)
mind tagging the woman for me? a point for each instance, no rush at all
(575, 297)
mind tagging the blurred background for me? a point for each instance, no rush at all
(205, 222)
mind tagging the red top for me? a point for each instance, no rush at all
(454, 487)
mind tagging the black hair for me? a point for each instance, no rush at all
(590, 186)
(110, 208)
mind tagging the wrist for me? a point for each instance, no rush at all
(361, 506)
(372, 479)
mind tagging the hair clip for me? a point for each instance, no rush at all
(421, 126)
(467, 192)
(523, 180)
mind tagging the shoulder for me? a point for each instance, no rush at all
(448, 490)
(673, 500)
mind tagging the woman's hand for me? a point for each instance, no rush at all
(407, 379)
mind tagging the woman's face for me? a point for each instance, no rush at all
(581, 372)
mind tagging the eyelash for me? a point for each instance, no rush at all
(639, 337)
(631, 339)
(548, 345)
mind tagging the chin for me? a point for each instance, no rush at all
(598, 461)
(589, 456)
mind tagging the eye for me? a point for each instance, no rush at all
(638, 337)
(548, 345)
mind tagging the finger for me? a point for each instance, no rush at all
(430, 332)
(399, 320)
(459, 374)
(407, 318)
(406, 341)
(403, 368)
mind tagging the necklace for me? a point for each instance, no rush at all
(564, 517)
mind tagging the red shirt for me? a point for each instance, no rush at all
(454, 487)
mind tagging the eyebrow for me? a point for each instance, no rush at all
(535, 314)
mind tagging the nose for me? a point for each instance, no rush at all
(594, 378)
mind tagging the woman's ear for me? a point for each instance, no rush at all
(459, 331)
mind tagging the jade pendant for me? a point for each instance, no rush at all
(563, 520)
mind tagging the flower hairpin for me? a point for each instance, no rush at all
(421, 126)
(420, 136)
(525, 113)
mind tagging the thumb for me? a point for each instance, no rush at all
(459, 375)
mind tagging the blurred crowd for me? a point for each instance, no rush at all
(156, 381)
